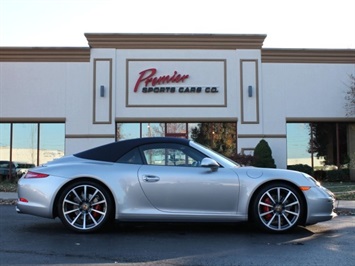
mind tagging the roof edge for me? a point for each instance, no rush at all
(44, 54)
(175, 41)
(336, 56)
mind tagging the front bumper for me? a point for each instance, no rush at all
(321, 205)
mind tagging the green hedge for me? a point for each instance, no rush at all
(322, 175)
(304, 168)
(333, 175)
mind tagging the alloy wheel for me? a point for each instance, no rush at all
(279, 208)
(84, 207)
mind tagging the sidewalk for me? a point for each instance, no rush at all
(345, 205)
(340, 205)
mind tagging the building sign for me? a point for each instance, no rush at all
(174, 83)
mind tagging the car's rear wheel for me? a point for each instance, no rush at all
(278, 207)
(85, 206)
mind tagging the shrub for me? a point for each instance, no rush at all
(304, 168)
(338, 175)
(319, 175)
(263, 155)
(333, 175)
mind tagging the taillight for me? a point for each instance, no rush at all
(30, 174)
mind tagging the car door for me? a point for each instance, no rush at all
(173, 181)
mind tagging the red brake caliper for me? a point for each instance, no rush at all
(267, 209)
(98, 208)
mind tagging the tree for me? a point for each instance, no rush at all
(350, 98)
(220, 137)
(321, 135)
(329, 141)
(243, 159)
(263, 155)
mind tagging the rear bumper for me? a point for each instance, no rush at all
(37, 196)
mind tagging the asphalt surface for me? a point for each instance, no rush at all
(46, 241)
(29, 240)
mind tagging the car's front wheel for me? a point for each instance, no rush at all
(278, 207)
(85, 206)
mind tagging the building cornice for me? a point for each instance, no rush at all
(336, 56)
(151, 41)
(175, 41)
(44, 54)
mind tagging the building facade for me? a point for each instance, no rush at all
(59, 101)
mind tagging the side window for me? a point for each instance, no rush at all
(171, 155)
(132, 157)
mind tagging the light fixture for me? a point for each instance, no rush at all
(102, 91)
(250, 91)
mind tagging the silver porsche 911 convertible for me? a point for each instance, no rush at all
(169, 179)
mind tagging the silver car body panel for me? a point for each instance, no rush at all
(169, 193)
(190, 189)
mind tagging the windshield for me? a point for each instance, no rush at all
(224, 161)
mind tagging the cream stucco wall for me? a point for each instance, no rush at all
(283, 91)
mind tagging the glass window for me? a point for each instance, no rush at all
(171, 155)
(219, 136)
(155, 156)
(176, 128)
(329, 141)
(191, 127)
(153, 130)
(320, 145)
(25, 143)
(132, 157)
(32, 143)
(298, 137)
(5, 141)
(52, 138)
(127, 130)
(6, 168)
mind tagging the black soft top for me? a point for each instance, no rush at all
(113, 151)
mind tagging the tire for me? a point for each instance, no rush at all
(278, 207)
(85, 206)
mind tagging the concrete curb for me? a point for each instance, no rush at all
(345, 205)
(8, 195)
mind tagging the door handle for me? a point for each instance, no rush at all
(151, 178)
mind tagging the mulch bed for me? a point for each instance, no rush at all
(8, 202)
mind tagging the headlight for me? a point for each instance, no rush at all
(317, 183)
(328, 192)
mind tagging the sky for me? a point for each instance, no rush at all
(298, 140)
(305, 24)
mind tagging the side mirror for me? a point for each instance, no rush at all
(210, 163)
